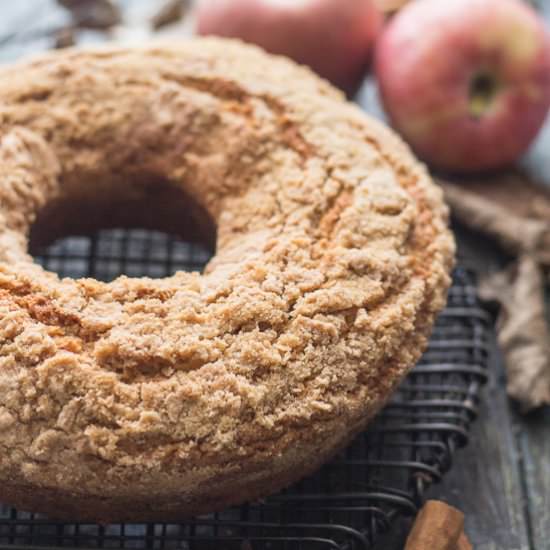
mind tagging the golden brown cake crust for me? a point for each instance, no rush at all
(143, 399)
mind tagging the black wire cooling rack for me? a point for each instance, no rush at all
(349, 502)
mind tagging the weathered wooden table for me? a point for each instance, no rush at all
(502, 479)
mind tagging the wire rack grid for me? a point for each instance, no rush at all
(350, 501)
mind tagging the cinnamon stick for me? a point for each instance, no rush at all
(463, 542)
(438, 527)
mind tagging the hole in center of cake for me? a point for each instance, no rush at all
(153, 231)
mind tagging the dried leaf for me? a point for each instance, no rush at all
(64, 38)
(93, 14)
(170, 12)
(515, 211)
(523, 331)
(514, 190)
(511, 222)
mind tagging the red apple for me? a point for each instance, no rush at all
(333, 37)
(466, 82)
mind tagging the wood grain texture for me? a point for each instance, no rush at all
(485, 480)
(534, 444)
(533, 431)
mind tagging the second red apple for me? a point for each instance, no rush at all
(466, 82)
(333, 37)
